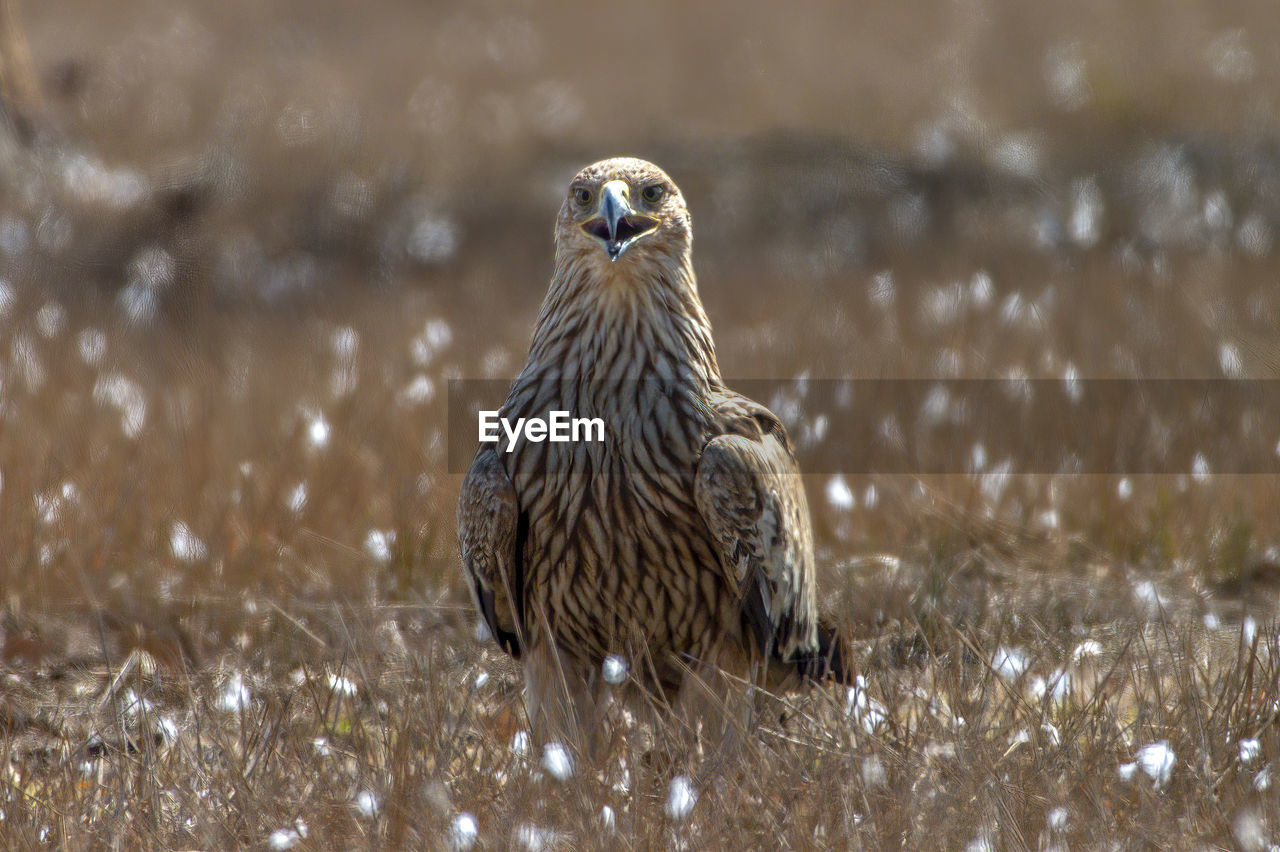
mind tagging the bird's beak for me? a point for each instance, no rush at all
(616, 223)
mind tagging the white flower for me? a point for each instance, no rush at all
(7, 298)
(520, 742)
(614, 669)
(1157, 760)
(340, 685)
(1250, 831)
(1057, 687)
(435, 335)
(978, 457)
(297, 498)
(1010, 663)
(1148, 594)
(1071, 382)
(378, 544)
(92, 344)
(317, 430)
(134, 705)
(235, 695)
(344, 342)
(1087, 648)
(463, 832)
(287, 838)
(623, 785)
(529, 836)
(862, 708)
(839, 494)
(50, 319)
(283, 838)
(557, 761)
(607, 819)
(419, 390)
(981, 843)
(367, 804)
(1052, 734)
(167, 729)
(1229, 360)
(1250, 750)
(881, 290)
(186, 546)
(981, 289)
(873, 774)
(681, 797)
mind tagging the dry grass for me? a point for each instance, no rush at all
(126, 636)
(232, 303)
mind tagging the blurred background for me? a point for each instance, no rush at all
(280, 151)
(245, 245)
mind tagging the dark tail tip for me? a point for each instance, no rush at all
(829, 663)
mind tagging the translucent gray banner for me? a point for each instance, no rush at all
(929, 426)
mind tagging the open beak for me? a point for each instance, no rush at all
(616, 224)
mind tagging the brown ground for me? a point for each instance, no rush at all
(252, 242)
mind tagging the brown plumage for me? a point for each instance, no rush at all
(683, 539)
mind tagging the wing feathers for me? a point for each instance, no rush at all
(750, 495)
(491, 535)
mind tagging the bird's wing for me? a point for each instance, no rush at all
(491, 533)
(749, 493)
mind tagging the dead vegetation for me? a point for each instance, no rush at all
(231, 305)
(232, 613)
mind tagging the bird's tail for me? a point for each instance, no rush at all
(828, 662)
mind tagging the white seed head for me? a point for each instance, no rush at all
(367, 804)
(1157, 761)
(557, 761)
(614, 669)
(681, 797)
(463, 832)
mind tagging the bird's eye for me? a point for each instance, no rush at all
(653, 193)
(582, 195)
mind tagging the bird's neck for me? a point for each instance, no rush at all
(619, 323)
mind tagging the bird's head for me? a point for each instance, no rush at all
(624, 211)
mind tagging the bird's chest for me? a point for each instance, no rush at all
(631, 472)
(616, 547)
(630, 451)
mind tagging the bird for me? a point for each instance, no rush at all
(681, 542)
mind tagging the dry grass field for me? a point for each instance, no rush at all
(253, 243)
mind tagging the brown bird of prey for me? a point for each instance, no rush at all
(681, 541)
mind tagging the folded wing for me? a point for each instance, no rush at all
(491, 534)
(749, 492)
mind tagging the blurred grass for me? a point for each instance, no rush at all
(253, 242)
